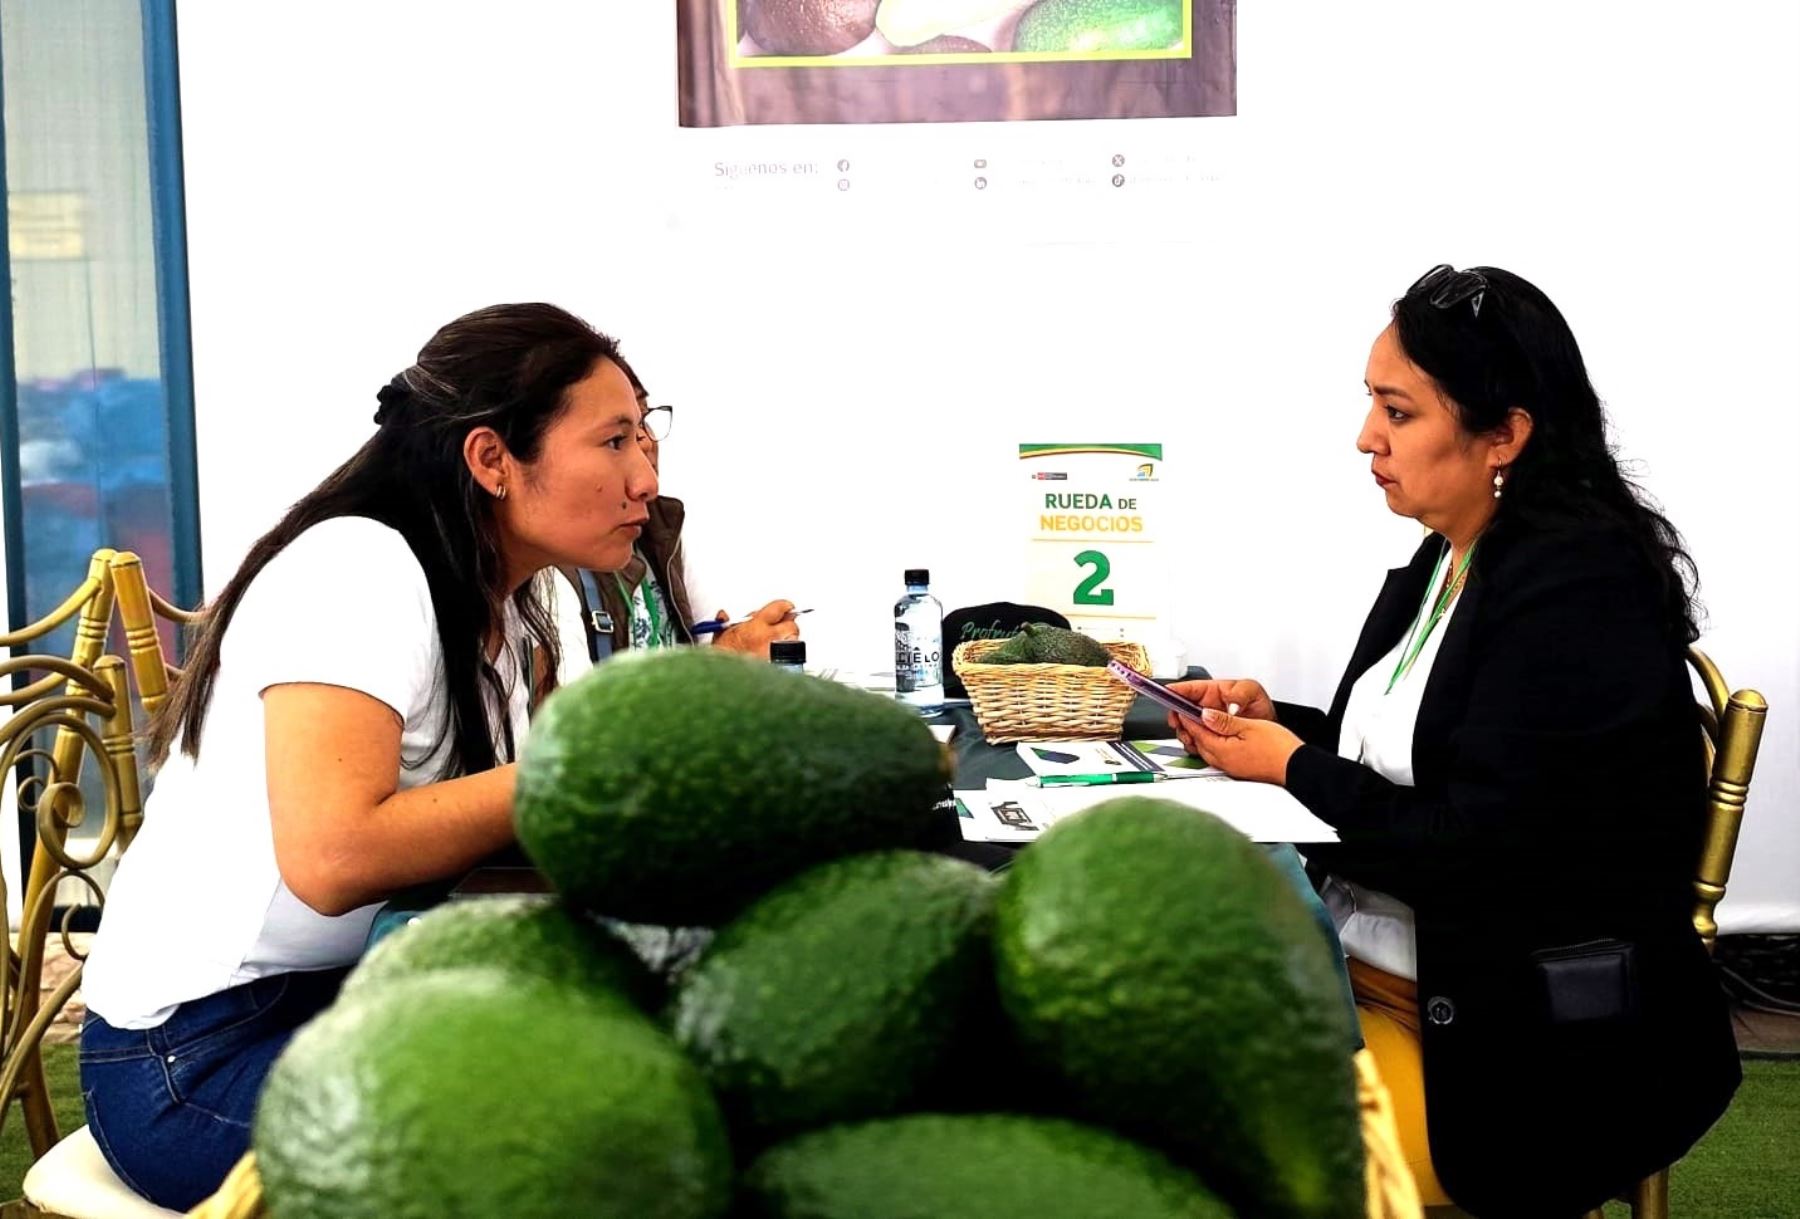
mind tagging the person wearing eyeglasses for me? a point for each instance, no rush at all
(346, 726)
(648, 603)
(1514, 766)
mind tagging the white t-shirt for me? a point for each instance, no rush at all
(197, 904)
(1374, 927)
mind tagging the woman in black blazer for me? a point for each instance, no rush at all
(1513, 764)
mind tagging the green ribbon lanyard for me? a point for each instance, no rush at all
(656, 639)
(1410, 652)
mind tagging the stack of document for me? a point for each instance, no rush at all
(1091, 760)
(1070, 776)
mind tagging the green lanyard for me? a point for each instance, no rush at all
(648, 586)
(1410, 652)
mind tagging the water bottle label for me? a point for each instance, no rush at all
(916, 661)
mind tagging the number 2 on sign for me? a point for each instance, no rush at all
(1089, 592)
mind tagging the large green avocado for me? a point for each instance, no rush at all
(980, 1166)
(842, 994)
(674, 786)
(534, 936)
(472, 1093)
(1160, 966)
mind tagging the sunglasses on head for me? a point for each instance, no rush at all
(1446, 287)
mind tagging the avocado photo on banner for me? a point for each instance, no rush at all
(750, 62)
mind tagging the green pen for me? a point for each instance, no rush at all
(1123, 776)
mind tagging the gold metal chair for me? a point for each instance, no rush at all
(1732, 725)
(58, 704)
(139, 608)
(91, 605)
(62, 708)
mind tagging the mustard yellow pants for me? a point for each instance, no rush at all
(1387, 1007)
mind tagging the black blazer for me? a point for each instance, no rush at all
(1559, 799)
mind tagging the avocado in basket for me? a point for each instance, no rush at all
(1039, 643)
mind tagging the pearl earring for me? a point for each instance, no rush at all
(1499, 482)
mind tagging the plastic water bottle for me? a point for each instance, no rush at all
(919, 645)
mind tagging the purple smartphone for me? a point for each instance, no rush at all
(1154, 691)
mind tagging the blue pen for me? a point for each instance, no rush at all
(1123, 776)
(712, 626)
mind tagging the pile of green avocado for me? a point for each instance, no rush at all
(1137, 1020)
(1038, 643)
(829, 27)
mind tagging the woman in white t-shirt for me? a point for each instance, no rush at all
(347, 723)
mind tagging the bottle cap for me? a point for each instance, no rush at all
(788, 652)
(918, 575)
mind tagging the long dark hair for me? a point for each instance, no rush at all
(1511, 347)
(507, 367)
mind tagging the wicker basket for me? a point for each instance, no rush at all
(1047, 702)
(1391, 1191)
(1388, 1183)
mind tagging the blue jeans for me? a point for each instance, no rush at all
(171, 1106)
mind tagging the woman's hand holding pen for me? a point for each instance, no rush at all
(1238, 734)
(754, 635)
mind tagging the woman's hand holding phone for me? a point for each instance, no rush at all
(1253, 702)
(1236, 730)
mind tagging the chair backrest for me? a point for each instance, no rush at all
(64, 704)
(1733, 725)
(91, 604)
(139, 608)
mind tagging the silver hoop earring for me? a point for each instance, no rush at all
(500, 491)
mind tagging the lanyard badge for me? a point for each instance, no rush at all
(1425, 623)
